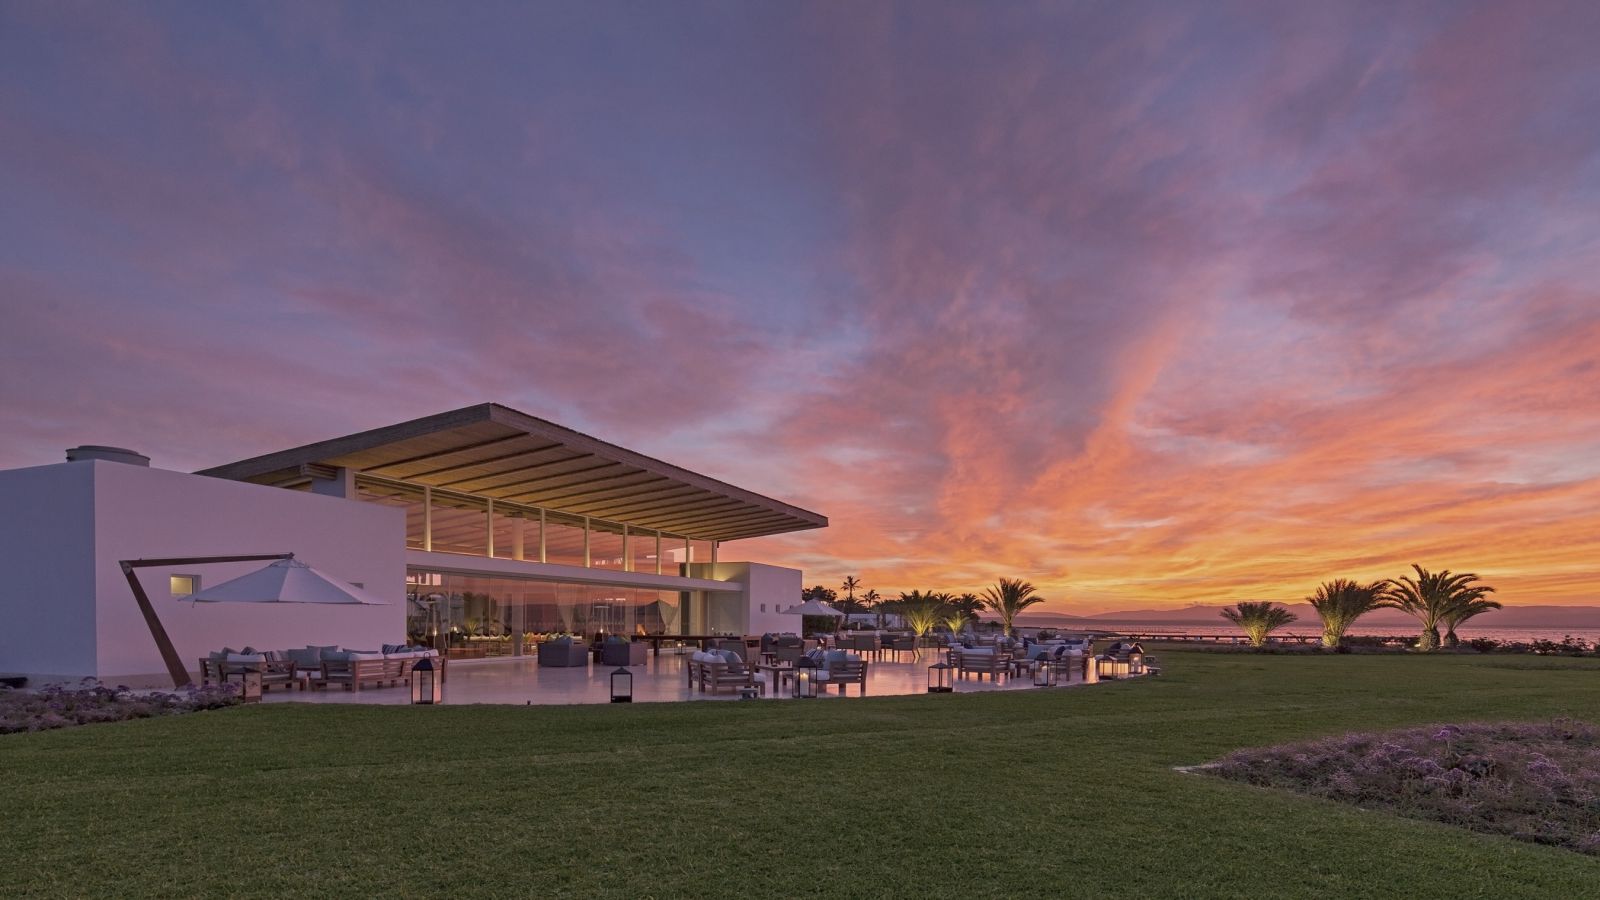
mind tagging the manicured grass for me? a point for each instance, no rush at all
(1060, 793)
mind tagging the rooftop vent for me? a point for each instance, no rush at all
(109, 454)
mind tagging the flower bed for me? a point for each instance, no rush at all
(57, 706)
(1534, 782)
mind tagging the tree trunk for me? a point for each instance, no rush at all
(1450, 639)
(1428, 640)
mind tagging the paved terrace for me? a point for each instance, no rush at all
(662, 679)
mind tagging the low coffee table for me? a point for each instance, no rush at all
(779, 673)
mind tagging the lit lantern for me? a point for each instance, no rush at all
(426, 688)
(805, 679)
(1044, 673)
(939, 678)
(248, 678)
(1136, 660)
(621, 686)
(1112, 667)
(1091, 668)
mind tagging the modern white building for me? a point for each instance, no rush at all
(482, 527)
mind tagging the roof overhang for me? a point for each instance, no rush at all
(496, 452)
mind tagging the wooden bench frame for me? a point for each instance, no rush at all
(711, 677)
(353, 673)
(847, 672)
(992, 664)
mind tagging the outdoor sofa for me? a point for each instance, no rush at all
(275, 670)
(710, 671)
(980, 661)
(318, 666)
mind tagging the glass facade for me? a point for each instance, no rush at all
(460, 525)
(473, 615)
(605, 545)
(641, 551)
(466, 524)
(563, 540)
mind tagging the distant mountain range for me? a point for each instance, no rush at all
(1584, 617)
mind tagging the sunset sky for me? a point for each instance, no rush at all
(1150, 304)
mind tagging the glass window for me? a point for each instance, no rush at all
(184, 585)
(515, 535)
(641, 550)
(674, 553)
(460, 525)
(404, 496)
(605, 545)
(563, 539)
(701, 551)
(472, 616)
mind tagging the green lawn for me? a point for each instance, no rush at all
(1058, 793)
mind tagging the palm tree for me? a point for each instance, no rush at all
(1009, 597)
(955, 619)
(873, 602)
(1258, 619)
(1341, 602)
(968, 605)
(1438, 597)
(921, 612)
(849, 587)
(1463, 612)
(849, 606)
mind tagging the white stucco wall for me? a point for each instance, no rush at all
(767, 590)
(47, 594)
(66, 608)
(141, 512)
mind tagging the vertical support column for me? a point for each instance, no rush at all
(517, 536)
(488, 521)
(713, 552)
(627, 558)
(542, 532)
(586, 563)
(427, 518)
(658, 553)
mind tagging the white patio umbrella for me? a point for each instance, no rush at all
(812, 607)
(286, 581)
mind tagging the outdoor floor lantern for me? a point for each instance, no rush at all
(1091, 668)
(248, 678)
(1112, 667)
(621, 686)
(426, 688)
(1135, 659)
(939, 678)
(805, 679)
(1044, 673)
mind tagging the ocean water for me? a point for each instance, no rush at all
(1466, 633)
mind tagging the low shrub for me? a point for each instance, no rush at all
(59, 706)
(1533, 782)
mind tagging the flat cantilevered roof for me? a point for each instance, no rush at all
(494, 451)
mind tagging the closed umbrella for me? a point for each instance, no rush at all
(286, 581)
